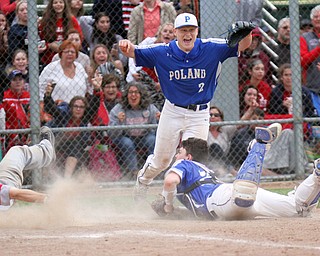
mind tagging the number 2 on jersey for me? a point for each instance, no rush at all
(201, 85)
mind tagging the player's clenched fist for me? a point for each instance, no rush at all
(124, 45)
(127, 48)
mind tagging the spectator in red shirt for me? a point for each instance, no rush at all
(15, 104)
(54, 25)
(78, 113)
(256, 72)
(248, 99)
(253, 52)
(8, 7)
(310, 52)
(110, 95)
(281, 95)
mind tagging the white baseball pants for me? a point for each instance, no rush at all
(267, 204)
(175, 124)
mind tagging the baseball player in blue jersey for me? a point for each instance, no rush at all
(201, 192)
(188, 69)
(20, 158)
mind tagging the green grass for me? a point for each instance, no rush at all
(282, 191)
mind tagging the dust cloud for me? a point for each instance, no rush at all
(77, 202)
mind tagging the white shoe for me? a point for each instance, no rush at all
(47, 134)
(140, 190)
(268, 134)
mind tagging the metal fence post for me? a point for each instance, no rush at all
(34, 78)
(296, 86)
(215, 18)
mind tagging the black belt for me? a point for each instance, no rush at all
(193, 106)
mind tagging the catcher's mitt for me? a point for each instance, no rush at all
(158, 206)
(237, 31)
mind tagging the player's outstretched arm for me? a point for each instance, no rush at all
(164, 204)
(127, 48)
(27, 195)
(169, 190)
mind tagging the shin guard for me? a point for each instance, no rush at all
(251, 168)
(246, 184)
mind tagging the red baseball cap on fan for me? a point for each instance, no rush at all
(256, 32)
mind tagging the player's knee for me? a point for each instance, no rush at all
(152, 168)
(161, 164)
(244, 193)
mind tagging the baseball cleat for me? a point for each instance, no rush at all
(317, 169)
(268, 134)
(276, 130)
(140, 191)
(47, 134)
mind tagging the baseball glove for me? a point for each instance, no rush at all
(237, 31)
(158, 206)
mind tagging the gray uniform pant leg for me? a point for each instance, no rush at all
(21, 158)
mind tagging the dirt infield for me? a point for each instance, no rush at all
(81, 221)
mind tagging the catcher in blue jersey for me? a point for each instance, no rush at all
(201, 192)
(188, 69)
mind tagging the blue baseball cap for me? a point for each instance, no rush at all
(14, 74)
(185, 19)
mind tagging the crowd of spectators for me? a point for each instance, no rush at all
(85, 79)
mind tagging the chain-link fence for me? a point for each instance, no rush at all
(46, 80)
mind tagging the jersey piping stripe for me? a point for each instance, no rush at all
(214, 40)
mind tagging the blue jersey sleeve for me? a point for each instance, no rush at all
(146, 55)
(220, 47)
